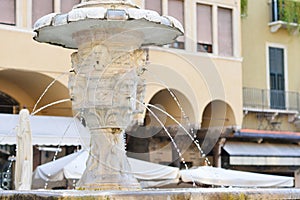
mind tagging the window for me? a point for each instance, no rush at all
(67, 5)
(8, 12)
(225, 32)
(277, 82)
(176, 10)
(155, 5)
(275, 10)
(204, 28)
(41, 8)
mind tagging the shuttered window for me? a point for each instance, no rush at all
(41, 8)
(67, 5)
(155, 5)
(204, 28)
(8, 12)
(176, 10)
(225, 32)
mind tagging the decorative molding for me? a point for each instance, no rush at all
(275, 26)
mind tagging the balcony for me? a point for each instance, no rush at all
(284, 15)
(262, 100)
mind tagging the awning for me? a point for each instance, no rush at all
(252, 133)
(246, 153)
(224, 177)
(46, 130)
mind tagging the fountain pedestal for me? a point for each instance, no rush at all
(103, 88)
(107, 166)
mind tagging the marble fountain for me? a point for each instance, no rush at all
(110, 38)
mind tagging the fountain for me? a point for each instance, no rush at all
(106, 82)
(106, 86)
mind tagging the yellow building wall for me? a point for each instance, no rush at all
(202, 79)
(19, 56)
(22, 52)
(256, 38)
(256, 35)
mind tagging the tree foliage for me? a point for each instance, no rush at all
(289, 12)
(244, 8)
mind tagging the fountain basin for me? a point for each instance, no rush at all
(59, 29)
(182, 193)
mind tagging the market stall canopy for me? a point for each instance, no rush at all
(224, 177)
(46, 130)
(156, 175)
(73, 166)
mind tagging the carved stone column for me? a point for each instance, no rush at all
(104, 89)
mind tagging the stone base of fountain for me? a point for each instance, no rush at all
(182, 193)
(107, 166)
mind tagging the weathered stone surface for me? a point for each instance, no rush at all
(159, 194)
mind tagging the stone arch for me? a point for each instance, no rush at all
(173, 102)
(217, 118)
(27, 86)
(151, 141)
(218, 114)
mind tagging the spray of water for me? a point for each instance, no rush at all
(47, 88)
(196, 142)
(57, 150)
(50, 104)
(171, 138)
(153, 75)
(194, 138)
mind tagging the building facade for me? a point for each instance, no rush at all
(269, 138)
(197, 80)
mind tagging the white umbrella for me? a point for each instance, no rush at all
(69, 167)
(155, 175)
(23, 170)
(225, 177)
(73, 166)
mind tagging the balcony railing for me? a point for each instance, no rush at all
(263, 99)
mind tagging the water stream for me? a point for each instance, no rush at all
(172, 140)
(57, 150)
(192, 135)
(196, 142)
(47, 88)
(155, 76)
(50, 104)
